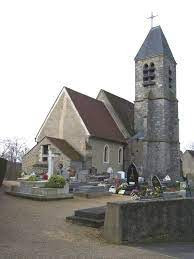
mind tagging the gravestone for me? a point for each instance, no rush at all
(132, 174)
(91, 217)
(82, 176)
(51, 158)
(110, 172)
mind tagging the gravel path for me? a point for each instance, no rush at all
(33, 229)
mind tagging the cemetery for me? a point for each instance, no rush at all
(113, 155)
(159, 210)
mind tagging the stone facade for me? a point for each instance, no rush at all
(32, 161)
(98, 146)
(52, 124)
(64, 122)
(156, 117)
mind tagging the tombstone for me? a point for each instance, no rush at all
(156, 183)
(167, 178)
(132, 174)
(122, 174)
(110, 172)
(141, 179)
(93, 170)
(82, 176)
(51, 157)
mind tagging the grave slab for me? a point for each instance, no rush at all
(91, 217)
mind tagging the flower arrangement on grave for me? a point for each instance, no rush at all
(56, 181)
(32, 178)
(157, 192)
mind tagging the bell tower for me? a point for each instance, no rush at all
(156, 106)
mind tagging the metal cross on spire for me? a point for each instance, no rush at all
(152, 18)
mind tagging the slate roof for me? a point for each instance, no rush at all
(124, 109)
(96, 117)
(155, 44)
(65, 148)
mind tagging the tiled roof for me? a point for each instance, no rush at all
(65, 148)
(124, 109)
(155, 44)
(96, 117)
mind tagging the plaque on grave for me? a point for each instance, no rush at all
(132, 174)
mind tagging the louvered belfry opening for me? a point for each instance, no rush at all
(148, 74)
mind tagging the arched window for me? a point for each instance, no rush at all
(120, 155)
(106, 154)
(148, 74)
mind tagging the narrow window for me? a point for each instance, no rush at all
(106, 154)
(152, 71)
(148, 74)
(170, 77)
(120, 155)
(45, 153)
(45, 150)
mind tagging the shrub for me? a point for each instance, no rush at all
(33, 178)
(55, 181)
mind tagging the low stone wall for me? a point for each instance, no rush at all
(35, 190)
(150, 220)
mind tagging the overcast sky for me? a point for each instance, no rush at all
(85, 45)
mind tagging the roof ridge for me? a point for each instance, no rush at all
(67, 88)
(117, 96)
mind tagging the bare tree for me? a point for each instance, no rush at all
(13, 149)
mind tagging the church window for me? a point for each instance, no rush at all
(106, 154)
(145, 66)
(45, 153)
(120, 155)
(148, 74)
(170, 77)
(45, 149)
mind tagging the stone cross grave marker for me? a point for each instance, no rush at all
(51, 157)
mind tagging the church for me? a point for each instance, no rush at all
(84, 133)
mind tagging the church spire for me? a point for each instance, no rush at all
(155, 44)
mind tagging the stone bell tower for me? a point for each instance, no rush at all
(156, 107)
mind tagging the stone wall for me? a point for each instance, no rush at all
(151, 220)
(33, 158)
(51, 126)
(97, 155)
(156, 117)
(65, 123)
(73, 129)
